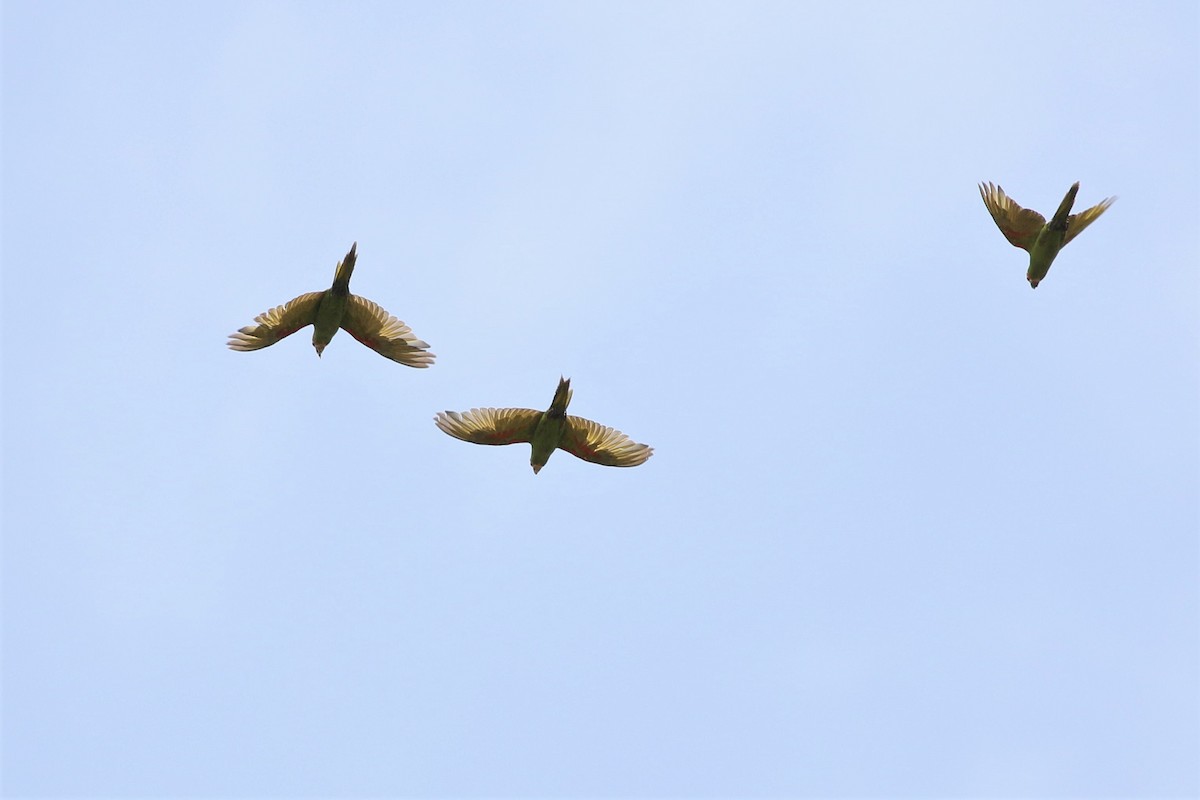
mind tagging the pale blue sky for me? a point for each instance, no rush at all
(910, 529)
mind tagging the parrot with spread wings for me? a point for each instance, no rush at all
(1029, 230)
(545, 431)
(332, 309)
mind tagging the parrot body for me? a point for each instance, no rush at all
(1029, 230)
(550, 427)
(330, 310)
(545, 431)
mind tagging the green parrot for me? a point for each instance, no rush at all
(545, 431)
(332, 309)
(1029, 231)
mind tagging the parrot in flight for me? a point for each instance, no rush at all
(1029, 230)
(332, 309)
(545, 431)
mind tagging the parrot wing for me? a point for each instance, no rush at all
(383, 333)
(593, 442)
(1077, 222)
(490, 425)
(1019, 225)
(279, 322)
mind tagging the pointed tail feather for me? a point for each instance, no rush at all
(562, 398)
(1059, 221)
(345, 268)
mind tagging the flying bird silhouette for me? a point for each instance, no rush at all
(545, 431)
(1029, 230)
(332, 309)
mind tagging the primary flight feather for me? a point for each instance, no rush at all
(330, 310)
(546, 431)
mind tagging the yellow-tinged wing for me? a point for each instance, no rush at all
(1077, 222)
(383, 333)
(277, 323)
(1019, 225)
(490, 425)
(594, 442)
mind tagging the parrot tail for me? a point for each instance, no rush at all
(562, 398)
(345, 268)
(1059, 222)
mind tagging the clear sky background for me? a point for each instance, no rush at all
(911, 528)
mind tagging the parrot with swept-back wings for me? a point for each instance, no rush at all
(1029, 230)
(332, 309)
(546, 431)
